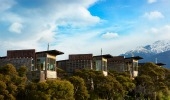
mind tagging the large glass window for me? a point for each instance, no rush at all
(98, 65)
(135, 66)
(51, 64)
(40, 63)
(104, 63)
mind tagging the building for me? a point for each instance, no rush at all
(62, 64)
(160, 64)
(116, 63)
(76, 61)
(84, 61)
(100, 63)
(19, 58)
(122, 64)
(40, 65)
(131, 65)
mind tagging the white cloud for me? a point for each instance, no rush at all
(154, 30)
(153, 15)
(110, 35)
(161, 33)
(16, 27)
(11, 17)
(40, 26)
(80, 17)
(6, 4)
(40, 23)
(152, 1)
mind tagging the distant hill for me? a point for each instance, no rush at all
(159, 50)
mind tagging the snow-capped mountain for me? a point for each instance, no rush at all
(159, 50)
(155, 48)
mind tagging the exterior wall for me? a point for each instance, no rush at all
(131, 66)
(41, 65)
(81, 57)
(105, 73)
(51, 74)
(79, 61)
(116, 63)
(18, 62)
(62, 65)
(99, 63)
(83, 61)
(121, 64)
(51, 62)
(51, 56)
(135, 68)
(46, 63)
(30, 53)
(37, 76)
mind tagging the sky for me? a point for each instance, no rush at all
(82, 26)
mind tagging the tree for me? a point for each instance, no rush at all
(152, 82)
(22, 71)
(10, 82)
(50, 90)
(80, 90)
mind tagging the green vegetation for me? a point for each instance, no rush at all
(12, 82)
(50, 90)
(152, 83)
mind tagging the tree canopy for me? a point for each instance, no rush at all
(152, 82)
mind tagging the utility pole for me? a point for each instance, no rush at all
(156, 60)
(101, 61)
(48, 47)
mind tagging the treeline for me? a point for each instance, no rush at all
(152, 83)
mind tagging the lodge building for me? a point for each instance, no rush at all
(102, 63)
(40, 65)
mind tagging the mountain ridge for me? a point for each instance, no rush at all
(159, 50)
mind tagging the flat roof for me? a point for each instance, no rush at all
(52, 52)
(62, 60)
(23, 50)
(105, 56)
(160, 64)
(3, 57)
(81, 54)
(117, 58)
(136, 58)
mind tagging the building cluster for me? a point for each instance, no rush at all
(102, 63)
(42, 65)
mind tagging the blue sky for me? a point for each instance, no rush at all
(82, 26)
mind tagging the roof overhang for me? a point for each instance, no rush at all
(52, 52)
(105, 56)
(160, 64)
(136, 58)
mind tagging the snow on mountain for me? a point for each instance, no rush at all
(159, 50)
(155, 48)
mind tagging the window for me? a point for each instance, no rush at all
(135, 66)
(51, 64)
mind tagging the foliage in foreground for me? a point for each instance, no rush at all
(50, 90)
(152, 83)
(12, 82)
